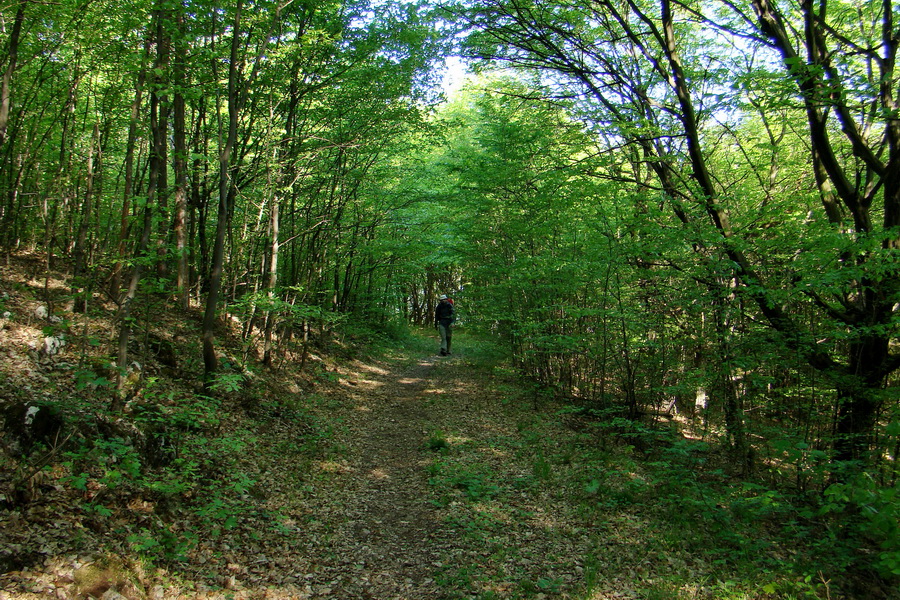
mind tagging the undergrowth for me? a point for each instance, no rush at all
(642, 510)
(163, 468)
(655, 499)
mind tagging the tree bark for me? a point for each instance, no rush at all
(272, 278)
(162, 81)
(80, 268)
(179, 162)
(115, 284)
(12, 58)
(210, 362)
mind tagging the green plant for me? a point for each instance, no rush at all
(456, 578)
(809, 587)
(58, 328)
(176, 478)
(227, 382)
(167, 411)
(541, 467)
(474, 525)
(474, 485)
(143, 542)
(162, 543)
(877, 516)
(89, 379)
(437, 442)
(474, 482)
(543, 585)
(119, 461)
(218, 513)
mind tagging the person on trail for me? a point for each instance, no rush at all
(444, 315)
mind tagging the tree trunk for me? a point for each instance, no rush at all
(157, 167)
(80, 268)
(115, 284)
(869, 361)
(200, 197)
(179, 163)
(210, 362)
(161, 85)
(6, 84)
(272, 279)
(858, 400)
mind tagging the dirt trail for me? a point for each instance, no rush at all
(385, 540)
(373, 513)
(391, 519)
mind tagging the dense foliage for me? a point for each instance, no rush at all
(687, 210)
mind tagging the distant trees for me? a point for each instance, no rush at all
(654, 205)
(676, 202)
(207, 153)
(783, 199)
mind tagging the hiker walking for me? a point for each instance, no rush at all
(444, 316)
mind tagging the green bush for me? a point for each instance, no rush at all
(874, 512)
(438, 442)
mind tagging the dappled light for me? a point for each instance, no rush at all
(455, 300)
(374, 369)
(379, 474)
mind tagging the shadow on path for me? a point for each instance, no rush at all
(389, 536)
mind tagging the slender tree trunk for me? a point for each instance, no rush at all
(272, 279)
(116, 277)
(157, 167)
(10, 217)
(200, 197)
(732, 402)
(12, 57)
(124, 317)
(274, 229)
(62, 178)
(210, 361)
(80, 269)
(162, 82)
(179, 163)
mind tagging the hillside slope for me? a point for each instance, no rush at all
(387, 474)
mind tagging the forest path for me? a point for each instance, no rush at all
(381, 532)
(439, 486)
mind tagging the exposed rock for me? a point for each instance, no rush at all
(53, 345)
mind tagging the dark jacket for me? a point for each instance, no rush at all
(443, 313)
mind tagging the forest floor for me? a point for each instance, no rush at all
(392, 474)
(422, 484)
